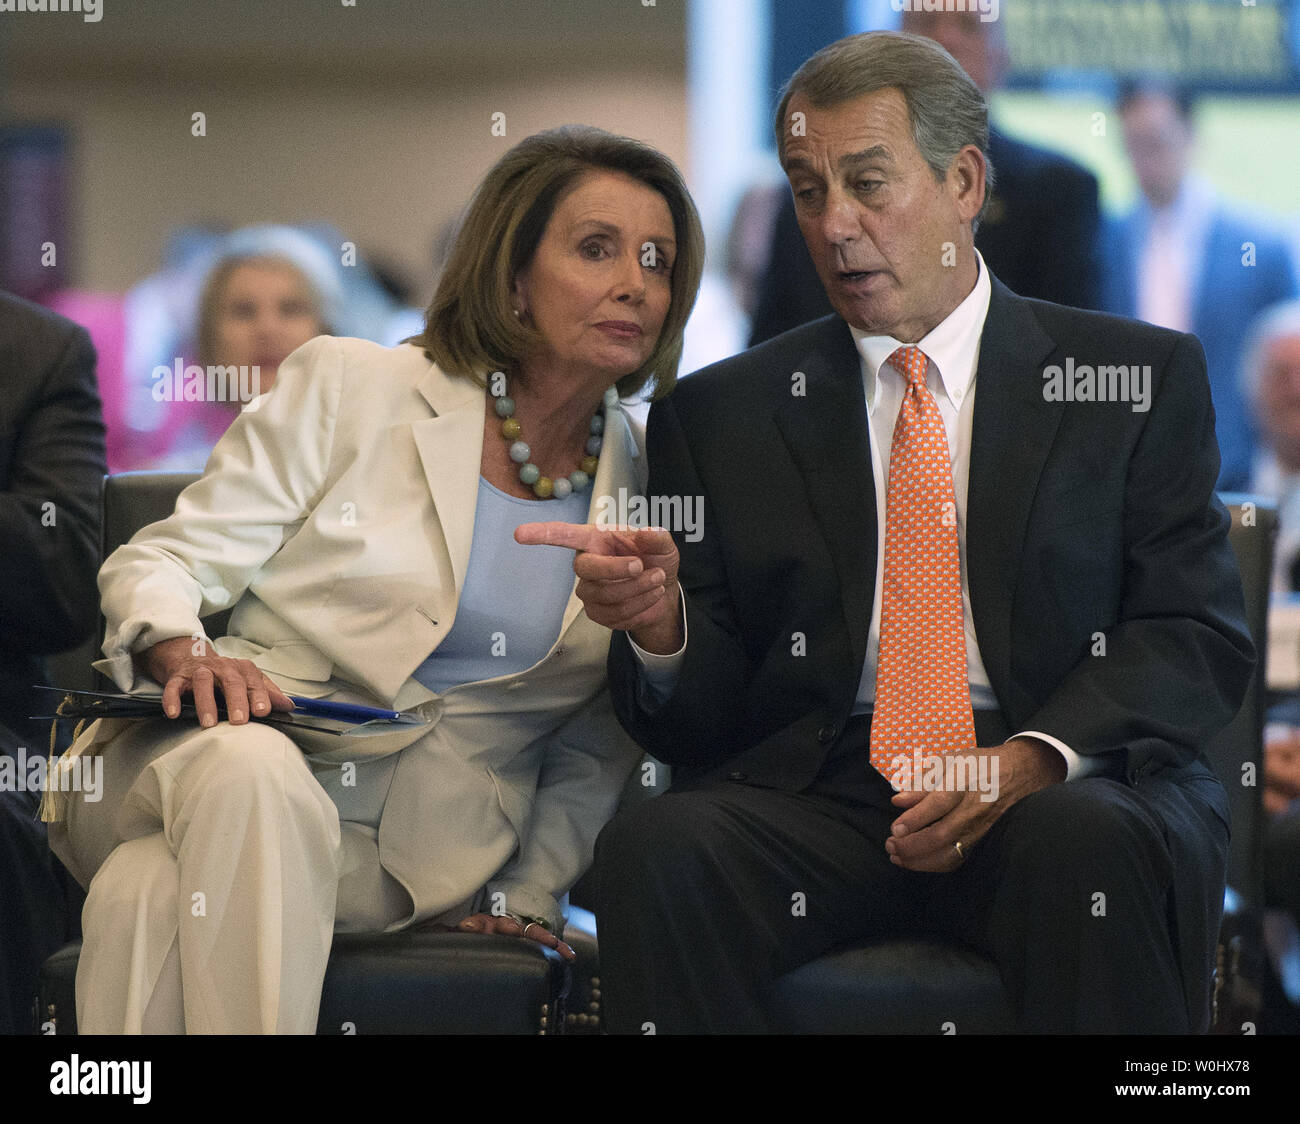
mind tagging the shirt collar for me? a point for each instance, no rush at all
(952, 346)
(1194, 200)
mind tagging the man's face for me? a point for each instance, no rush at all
(1278, 401)
(892, 245)
(1159, 144)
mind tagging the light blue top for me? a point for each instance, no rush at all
(514, 598)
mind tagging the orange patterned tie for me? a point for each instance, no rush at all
(922, 691)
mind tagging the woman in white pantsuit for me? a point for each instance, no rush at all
(359, 518)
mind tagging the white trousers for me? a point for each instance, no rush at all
(218, 869)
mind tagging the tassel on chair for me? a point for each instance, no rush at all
(53, 802)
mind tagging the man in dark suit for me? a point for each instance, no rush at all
(1041, 230)
(1095, 619)
(51, 466)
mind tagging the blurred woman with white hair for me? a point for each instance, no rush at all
(268, 290)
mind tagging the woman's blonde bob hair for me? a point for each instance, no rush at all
(470, 327)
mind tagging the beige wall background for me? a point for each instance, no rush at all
(376, 118)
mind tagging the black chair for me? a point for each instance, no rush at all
(1237, 755)
(926, 987)
(417, 981)
(130, 500)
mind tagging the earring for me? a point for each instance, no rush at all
(518, 315)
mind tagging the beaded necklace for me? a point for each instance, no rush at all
(544, 487)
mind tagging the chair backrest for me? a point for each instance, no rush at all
(1241, 743)
(130, 500)
(135, 499)
(71, 670)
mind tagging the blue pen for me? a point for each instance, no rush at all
(346, 712)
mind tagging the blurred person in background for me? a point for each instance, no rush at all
(159, 323)
(1041, 230)
(1270, 381)
(1182, 259)
(268, 291)
(725, 309)
(373, 305)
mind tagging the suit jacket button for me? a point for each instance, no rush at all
(826, 735)
(737, 776)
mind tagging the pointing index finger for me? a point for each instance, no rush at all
(575, 536)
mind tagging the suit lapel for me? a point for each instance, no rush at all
(826, 433)
(1012, 432)
(450, 446)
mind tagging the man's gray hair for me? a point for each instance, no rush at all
(1281, 321)
(946, 108)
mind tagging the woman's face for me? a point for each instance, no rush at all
(599, 285)
(264, 312)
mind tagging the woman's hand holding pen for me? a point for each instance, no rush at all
(184, 664)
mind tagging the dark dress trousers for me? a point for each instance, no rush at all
(1108, 612)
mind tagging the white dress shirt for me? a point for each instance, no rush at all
(1172, 256)
(953, 351)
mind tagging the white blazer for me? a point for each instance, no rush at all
(336, 516)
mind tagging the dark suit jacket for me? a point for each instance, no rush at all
(1085, 520)
(1040, 235)
(51, 469)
